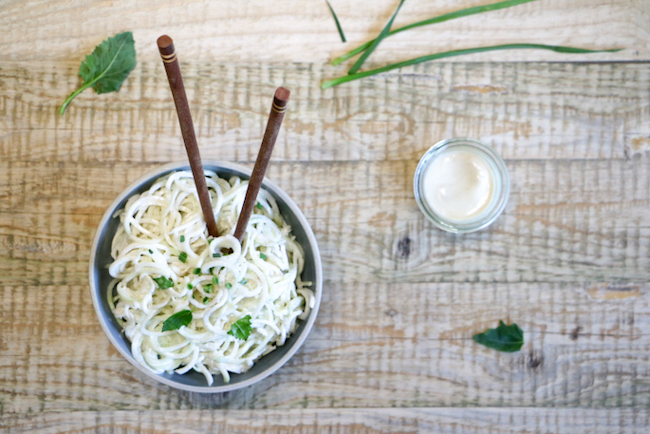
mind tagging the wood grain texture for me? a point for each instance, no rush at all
(524, 110)
(391, 350)
(406, 345)
(299, 31)
(566, 221)
(354, 421)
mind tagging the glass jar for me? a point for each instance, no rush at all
(485, 159)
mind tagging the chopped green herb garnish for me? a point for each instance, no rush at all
(241, 329)
(190, 286)
(163, 282)
(151, 251)
(259, 206)
(208, 288)
(263, 256)
(178, 320)
(215, 280)
(182, 257)
(228, 285)
(205, 300)
(216, 255)
(182, 238)
(243, 282)
(197, 271)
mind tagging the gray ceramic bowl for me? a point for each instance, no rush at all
(100, 258)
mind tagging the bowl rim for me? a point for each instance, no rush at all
(318, 280)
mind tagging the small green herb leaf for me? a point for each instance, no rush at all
(243, 282)
(205, 300)
(163, 282)
(263, 256)
(182, 257)
(197, 271)
(106, 68)
(376, 42)
(190, 286)
(178, 320)
(182, 238)
(215, 280)
(228, 285)
(506, 338)
(151, 251)
(241, 328)
(208, 289)
(259, 206)
(216, 255)
(338, 25)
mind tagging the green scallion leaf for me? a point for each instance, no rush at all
(336, 20)
(263, 256)
(183, 257)
(190, 286)
(182, 238)
(215, 280)
(208, 289)
(216, 255)
(228, 285)
(241, 329)
(434, 20)
(243, 282)
(205, 300)
(375, 42)
(558, 49)
(197, 271)
(163, 282)
(177, 320)
(259, 206)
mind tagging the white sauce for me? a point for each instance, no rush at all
(458, 185)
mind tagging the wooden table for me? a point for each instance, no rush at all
(391, 351)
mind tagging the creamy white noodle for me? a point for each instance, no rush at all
(220, 282)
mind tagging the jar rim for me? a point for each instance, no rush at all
(501, 176)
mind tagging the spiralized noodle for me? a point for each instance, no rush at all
(221, 280)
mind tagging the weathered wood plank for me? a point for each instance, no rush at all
(526, 111)
(290, 32)
(567, 220)
(371, 420)
(373, 345)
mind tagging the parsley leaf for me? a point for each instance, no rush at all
(241, 328)
(106, 68)
(178, 320)
(163, 282)
(506, 338)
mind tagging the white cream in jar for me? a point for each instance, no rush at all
(461, 185)
(458, 185)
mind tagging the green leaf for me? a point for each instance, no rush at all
(106, 68)
(178, 320)
(241, 328)
(434, 20)
(338, 25)
(506, 338)
(558, 49)
(163, 282)
(375, 42)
